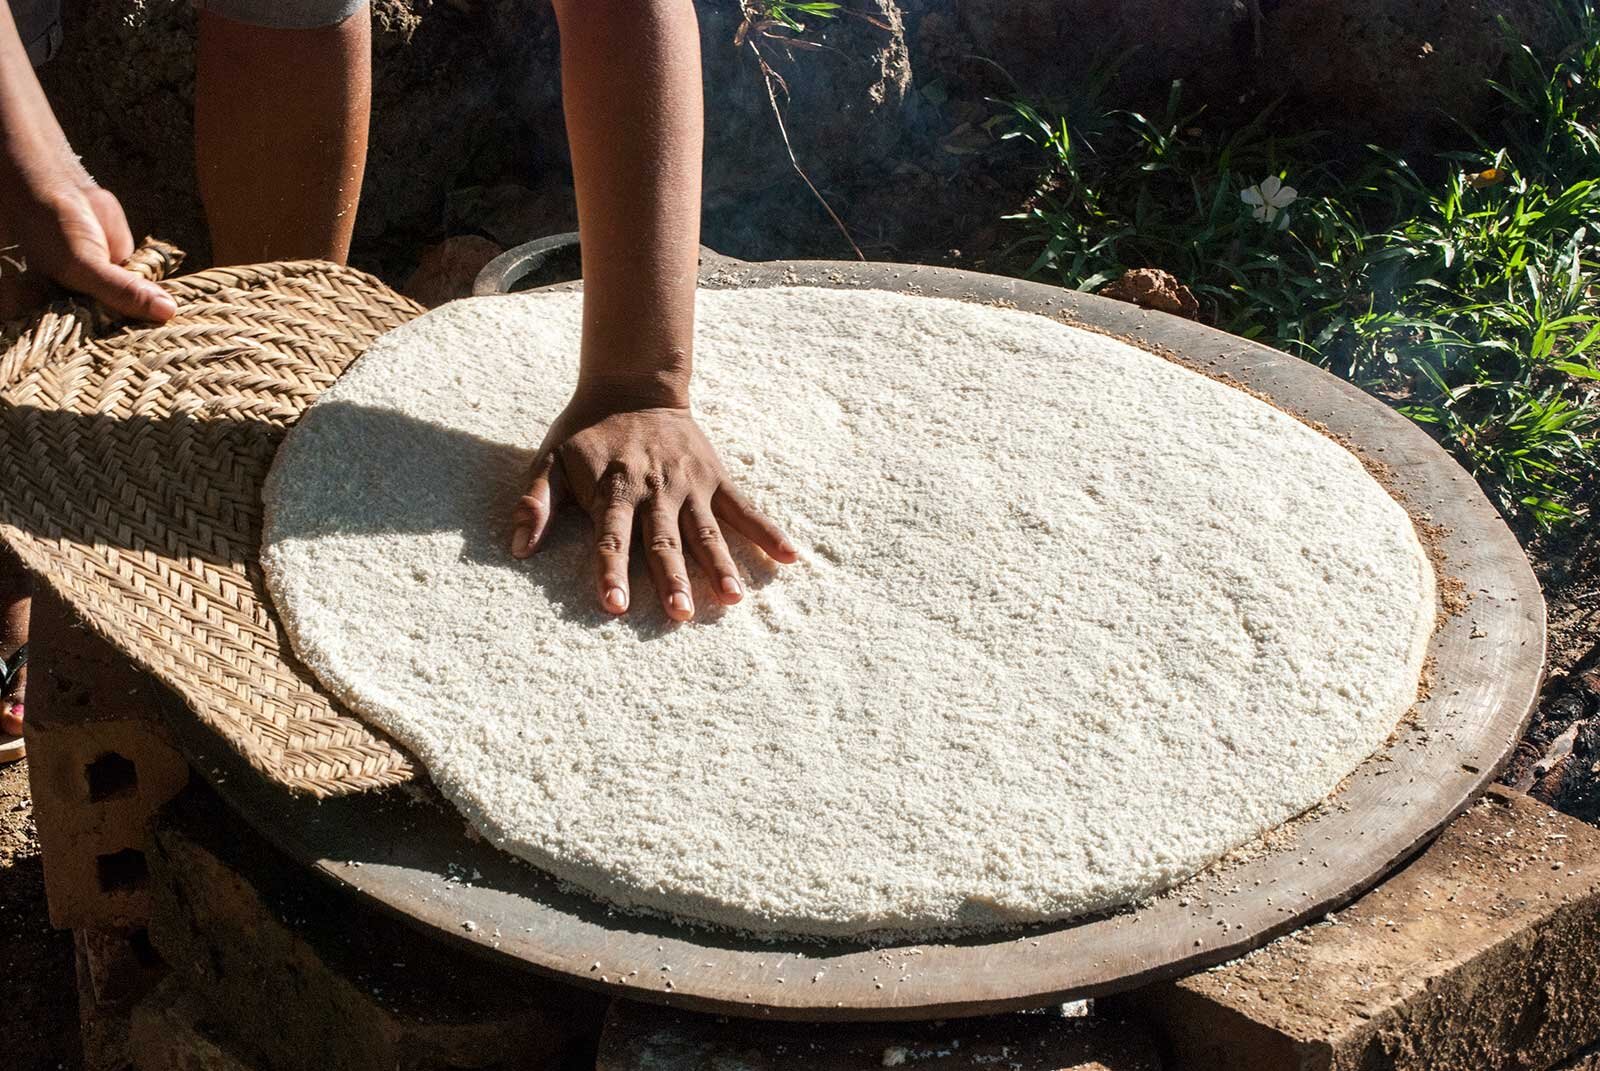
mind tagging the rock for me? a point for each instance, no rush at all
(1482, 954)
(446, 270)
(1152, 288)
(438, 117)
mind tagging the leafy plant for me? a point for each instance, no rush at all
(790, 12)
(1468, 300)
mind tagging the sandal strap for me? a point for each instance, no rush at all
(10, 667)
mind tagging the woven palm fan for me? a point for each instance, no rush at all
(131, 463)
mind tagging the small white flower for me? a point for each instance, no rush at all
(1268, 199)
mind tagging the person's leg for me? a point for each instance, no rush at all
(16, 589)
(281, 107)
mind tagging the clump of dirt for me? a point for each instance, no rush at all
(1152, 288)
(38, 992)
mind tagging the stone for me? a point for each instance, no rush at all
(1481, 954)
(641, 1037)
(169, 1031)
(100, 765)
(298, 974)
(1152, 288)
(446, 270)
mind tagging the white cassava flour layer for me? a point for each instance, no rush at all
(1070, 622)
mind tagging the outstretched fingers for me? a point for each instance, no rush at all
(703, 536)
(613, 530)
(732, 507)
(665, 558)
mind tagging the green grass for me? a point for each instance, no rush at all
(1463, 290)
(789, 12)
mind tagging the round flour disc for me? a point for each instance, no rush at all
(1070, 621)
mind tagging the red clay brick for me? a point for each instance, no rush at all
(1482, 954)
(642, 1037)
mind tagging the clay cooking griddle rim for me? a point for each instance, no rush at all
(412, 857)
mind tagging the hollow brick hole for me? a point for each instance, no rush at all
(111, 777)
(123, 871)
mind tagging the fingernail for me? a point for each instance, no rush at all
(521, 540)
(787, 547)
(730, 585)
(617, 599)
(679, 602)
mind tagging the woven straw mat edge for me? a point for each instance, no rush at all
(131, 463)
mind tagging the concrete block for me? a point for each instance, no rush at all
(169, 1031)
(1482, 954)
(100, 764)
(642, 1037)
(305, 977)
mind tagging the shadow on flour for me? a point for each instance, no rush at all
(461, 483)
(188, 485)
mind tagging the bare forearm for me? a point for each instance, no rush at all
(32, 147)
(68, 228)
(626, 449)
(631, 86)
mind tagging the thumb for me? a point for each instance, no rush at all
(118, 289)
(531, 518)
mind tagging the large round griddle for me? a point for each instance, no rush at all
(412, 855)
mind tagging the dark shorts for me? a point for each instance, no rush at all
(39, 21)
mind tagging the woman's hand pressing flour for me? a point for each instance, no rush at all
(625, 449)
(651, 466)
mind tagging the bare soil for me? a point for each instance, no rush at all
(38, 993)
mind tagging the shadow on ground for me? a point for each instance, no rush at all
(38, 996)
